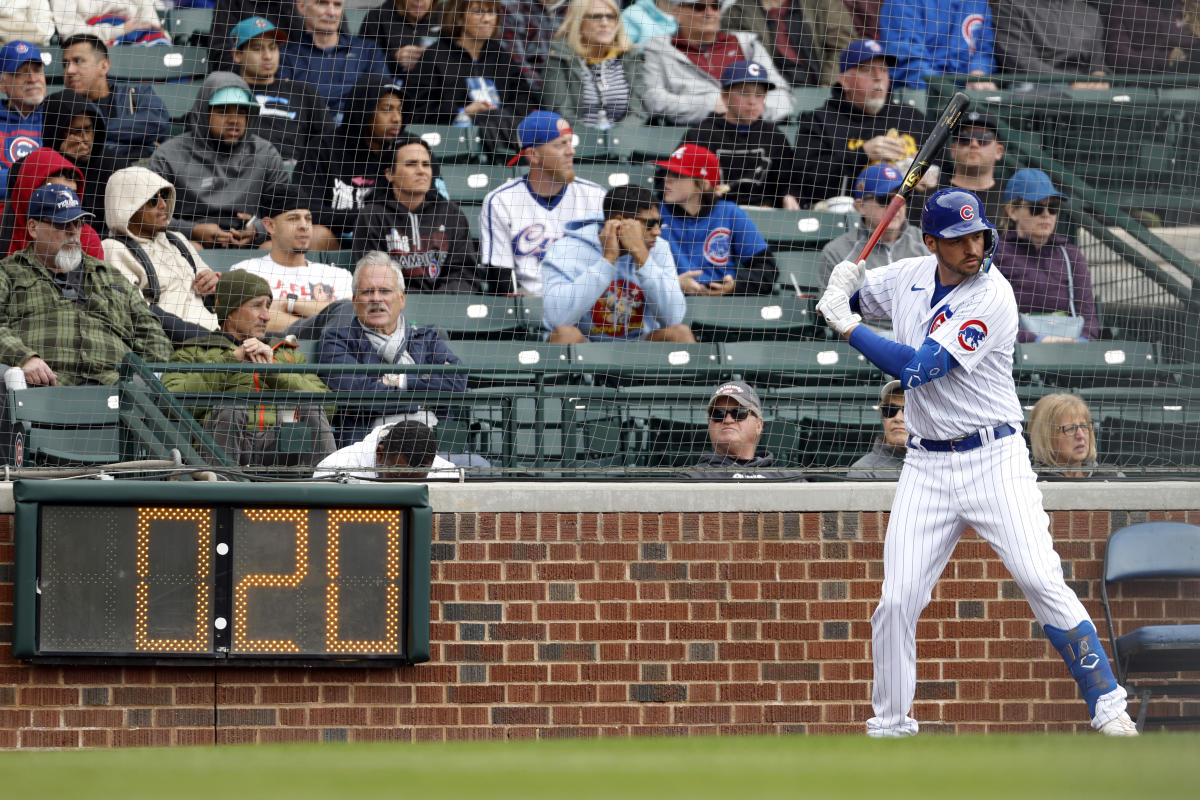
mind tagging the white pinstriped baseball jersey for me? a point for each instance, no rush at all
(976, 323)
(516, 227)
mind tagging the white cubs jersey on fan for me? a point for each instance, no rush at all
(976, 322)
(516, 226)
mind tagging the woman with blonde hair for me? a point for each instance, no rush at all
(592, 71)
(1063, 438)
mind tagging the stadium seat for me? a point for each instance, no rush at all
(64, 425)
(631, 364)
(638, 143)
(222, 259)
(178, 97)
(777, 364)
(730, 319)
(511, 362)
(1157, 552)
(800, 272)
(797, 230)
(338, 258)
(470, 183)
(592, 144)
(1089, 363)
(463, 316)
(354, 19)
(189, 26)
(529, 311)
(610, 175)
(809, 98)
(158, 63)
(449, 144)
(836, 438)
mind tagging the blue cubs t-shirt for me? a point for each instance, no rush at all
(715, 244)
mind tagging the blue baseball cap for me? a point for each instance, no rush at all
(250, 27)
(537, 129)
(16, 53)
(55, 203)
(861, 50)
(745, 72)
(1031, 185)
(877, 180)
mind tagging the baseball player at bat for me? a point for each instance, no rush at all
(956, 329)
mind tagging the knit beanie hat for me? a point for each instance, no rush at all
(236, 287)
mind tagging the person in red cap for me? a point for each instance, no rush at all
(717, 248)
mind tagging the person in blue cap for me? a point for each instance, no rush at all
(858, 127)
(757, 161)
(1049, 276)
(23, 82)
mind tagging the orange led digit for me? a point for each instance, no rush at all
(241, 640)
(391, 641)
(145, 520)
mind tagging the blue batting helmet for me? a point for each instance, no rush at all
(950, 213)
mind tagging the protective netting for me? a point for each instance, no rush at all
(569, 304)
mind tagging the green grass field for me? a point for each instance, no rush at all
(1155, 767)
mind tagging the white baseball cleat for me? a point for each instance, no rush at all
(1120, 725)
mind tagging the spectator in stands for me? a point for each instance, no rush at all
(527, 28)
(117, 22)
(1051, 37)
(886, 458)
(137, 120)
(283, 14)
(757, 161)
(327, 59)
(522, 217)
(66, 318)
(1063, 438)
(299, 288)
(682, 74)
(735, 425)
(976, 150)
(1049, 275)
(23, 82)
(379, 335)
(937, 37)
(427, 236)
(405, 451)
(613, 278)
(291, 115)
(858, 127)
(645, 19)
(803, 36)
(249, 433)
(873, 191)
(162, 265)
(593, 73)
(73, 125)
(404, 29)
(41, 167)
(27, 20)
(220, 167)
(716, 246)
(467, 74)
(1152, 36)
(344, 174)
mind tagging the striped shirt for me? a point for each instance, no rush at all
(605, 99)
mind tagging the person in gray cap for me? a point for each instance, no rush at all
(735, 425)
(886, 458)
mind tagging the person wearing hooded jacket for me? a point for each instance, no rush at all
(75, 127)
(219, 166)
(614, 278)
(138, 206)
(40, 167)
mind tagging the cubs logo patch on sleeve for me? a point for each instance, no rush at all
(971, 334)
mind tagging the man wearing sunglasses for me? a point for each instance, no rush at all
(682, 74)
(976, 150)
(886, 458)
(735, 425)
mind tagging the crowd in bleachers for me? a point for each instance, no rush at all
(458, 141)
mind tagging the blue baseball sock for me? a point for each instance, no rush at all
(1080, 648)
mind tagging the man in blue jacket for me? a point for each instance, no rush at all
(936, 37)
(379, 335)
(136, 120)
(23, 82)
(614, 278)
(322, 56)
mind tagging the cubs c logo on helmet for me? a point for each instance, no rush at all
(972, 334)
(966, 212)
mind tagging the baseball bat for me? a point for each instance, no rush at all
(933, 145)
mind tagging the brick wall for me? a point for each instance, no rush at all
(618, 624)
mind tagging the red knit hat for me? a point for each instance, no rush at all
(694, 161)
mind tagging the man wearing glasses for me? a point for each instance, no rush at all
(682, 74)
(735, 424)
(976, 151)
(886, 458)
(68, 319)
(614, 278)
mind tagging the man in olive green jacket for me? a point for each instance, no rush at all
(251, 434)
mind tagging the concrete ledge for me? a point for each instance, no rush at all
(652, 497)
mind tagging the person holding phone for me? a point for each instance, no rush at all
(614, 278)
(403, 29)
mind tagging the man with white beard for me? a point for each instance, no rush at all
(67, 319)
